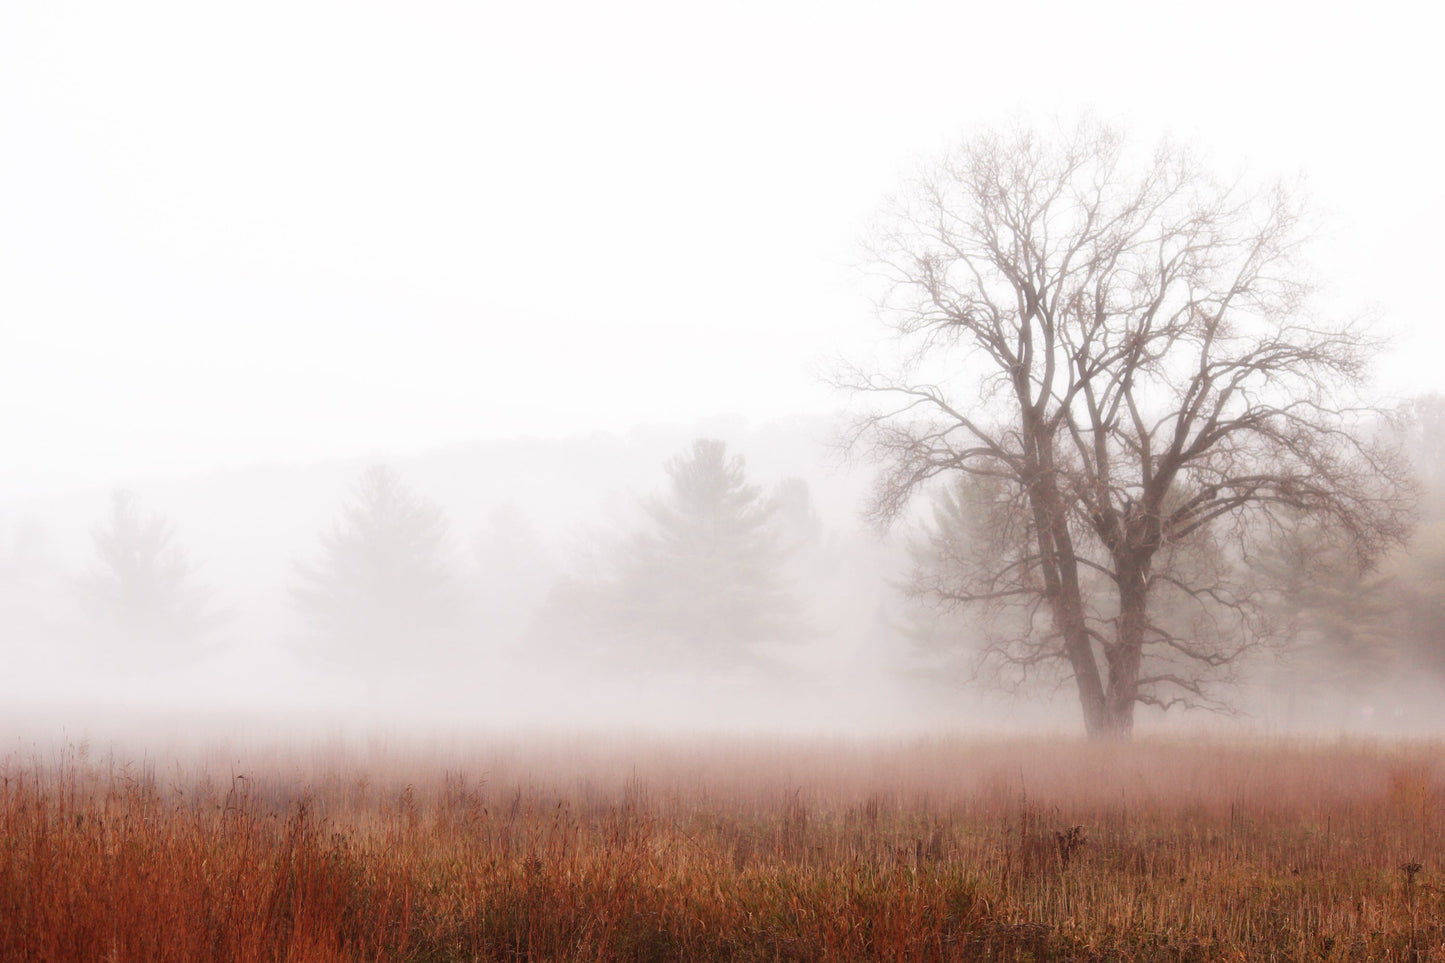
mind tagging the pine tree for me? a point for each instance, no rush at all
(705, 580)
(143, 586)
(382, 593)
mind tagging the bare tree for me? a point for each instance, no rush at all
(1125, 354)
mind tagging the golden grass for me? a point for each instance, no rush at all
(557, 849)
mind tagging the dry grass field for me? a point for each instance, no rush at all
(613, 849)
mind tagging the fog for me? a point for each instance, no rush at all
(518, 522)
(358, 366)
(521, 597)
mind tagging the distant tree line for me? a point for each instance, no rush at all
(702, 579)
(713, 574)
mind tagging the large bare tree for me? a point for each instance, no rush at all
(1119, 358)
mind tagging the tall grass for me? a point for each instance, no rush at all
(730, 850)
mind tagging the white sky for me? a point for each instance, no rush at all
(286, 230)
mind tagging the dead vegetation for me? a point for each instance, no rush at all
(594, 850)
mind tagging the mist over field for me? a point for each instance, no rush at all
(517, 524)
(367, 369)
(521, 598)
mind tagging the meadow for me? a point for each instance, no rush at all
(738, 849)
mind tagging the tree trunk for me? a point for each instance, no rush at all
(1117, 726)
(1061, 589)
(1125, 655)
(1069, 621)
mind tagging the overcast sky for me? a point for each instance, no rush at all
(261, 231)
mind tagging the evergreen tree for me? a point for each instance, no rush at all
(382, 593)
(143, 586)
(1340, 618)
(708, 576)
(704, 580)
